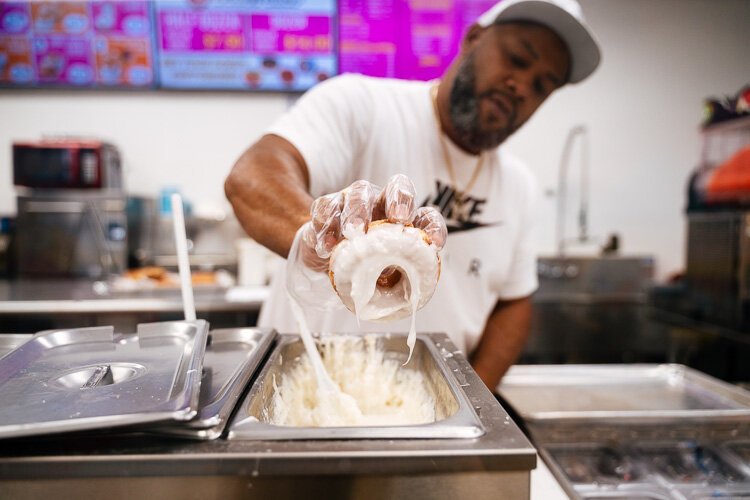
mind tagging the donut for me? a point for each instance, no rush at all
(407, 252)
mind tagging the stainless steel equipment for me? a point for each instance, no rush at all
(89, 378)
(232, 357)
(455, 416)
(595, 279)
(10, 341)
(622, 393)
(638, 431)
(65, 233)
(593, 310)
(496, 464)
(143, 230)
(717, 275)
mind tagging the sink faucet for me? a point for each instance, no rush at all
(583, 236)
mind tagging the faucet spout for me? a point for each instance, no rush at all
(583, 236)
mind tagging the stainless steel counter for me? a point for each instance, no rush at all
(71, 297)
(494, 465)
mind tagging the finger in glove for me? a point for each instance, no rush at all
(431, 221)
(307, 250)
(356, 214)
(398, 199)
(326, 222)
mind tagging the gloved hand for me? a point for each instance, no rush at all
(344, 214)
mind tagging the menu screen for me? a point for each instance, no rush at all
(251, 44)
(76, 44)
(409, 39)
(275, 45)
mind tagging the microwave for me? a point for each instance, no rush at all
(71, 234)
(67, 164)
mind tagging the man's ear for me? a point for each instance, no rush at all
(471, 37)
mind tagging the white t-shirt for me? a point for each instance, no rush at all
(354, 127)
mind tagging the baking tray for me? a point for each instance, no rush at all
(232, 357)
(456, 416)
(90, 378)
(638, 393)
(11, 341)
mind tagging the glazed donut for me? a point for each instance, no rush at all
(356, 265)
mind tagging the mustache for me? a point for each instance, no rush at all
(464, 108)
(505, 99)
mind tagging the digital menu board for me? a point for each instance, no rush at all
(409, 39)
(76, 44)
(276, 45)
(251, 44)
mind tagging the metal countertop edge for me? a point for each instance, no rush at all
(116, 305)
(263, 463)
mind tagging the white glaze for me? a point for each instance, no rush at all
(356, 264)
(331, 405)
(386, 393)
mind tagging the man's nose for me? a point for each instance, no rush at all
(519, 86)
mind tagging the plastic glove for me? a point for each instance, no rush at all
(342, 215)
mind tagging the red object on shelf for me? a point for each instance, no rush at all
(731, 179)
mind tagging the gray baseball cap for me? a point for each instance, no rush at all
(564, 17)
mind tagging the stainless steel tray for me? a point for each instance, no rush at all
(89, 378)
(679, 469)
(646, 494)
(689, 464)
(457, 418)
(11, 341)
(595, 463)
(636, 494)
(232, 357)
(621, 394)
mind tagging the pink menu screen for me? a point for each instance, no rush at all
(250, 44)
(80, 44)
(409, 39)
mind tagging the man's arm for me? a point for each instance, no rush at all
(268, 189)
(503, 338)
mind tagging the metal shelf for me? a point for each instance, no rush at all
(727, 126)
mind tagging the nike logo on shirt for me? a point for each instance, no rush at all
(460, 215)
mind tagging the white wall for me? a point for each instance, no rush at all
(642, 107)
(184, 139)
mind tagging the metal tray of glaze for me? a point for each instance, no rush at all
(11, 341)
(637, 393)
(232, 357)
(90, 378)
(455, 415)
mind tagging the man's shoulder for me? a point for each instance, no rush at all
(365, 83)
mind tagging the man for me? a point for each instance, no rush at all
(444, 136)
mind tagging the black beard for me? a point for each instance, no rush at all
(464, 111)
